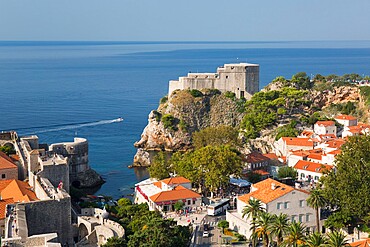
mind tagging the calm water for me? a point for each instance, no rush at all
(52, 83)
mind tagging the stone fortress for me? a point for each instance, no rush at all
(241, 79)
(39, 211)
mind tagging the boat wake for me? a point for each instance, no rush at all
(71, 126)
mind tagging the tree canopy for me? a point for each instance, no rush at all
(147, 228)
(210, 166)
(347, 188)
(216, 136)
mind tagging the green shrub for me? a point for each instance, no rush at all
(169, 122)
(157, 116)
(195, 93)
(214, 91)
(163, 100)
(229, 95)
(183, 125)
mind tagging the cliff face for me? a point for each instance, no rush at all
(341, 94)
(191, 114)
(213, 109)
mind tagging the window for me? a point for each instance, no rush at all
(2, 175)
(286, 205)
(294, 218)
(189, 202)
(193, 202)
(316, 178)
(308, 218)
(227, 76)
(301, 217)
(278, 205)
(301, 203)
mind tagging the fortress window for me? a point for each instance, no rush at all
(232, 67)
(227, 76)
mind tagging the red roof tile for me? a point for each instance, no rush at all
(3, 204)
(361, 243)
(175, 180)
(271, 156)
(265, 192)
(6, 162)
(178, 193)
(345, 117)
(312, 166)
(256, 158)
(325, 123)
(295, 141)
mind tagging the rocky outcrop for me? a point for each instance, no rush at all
(191, 114)
(338, 95)
(89, 179)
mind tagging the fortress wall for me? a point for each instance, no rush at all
(48, 217)
(174, 85)
(55, 174)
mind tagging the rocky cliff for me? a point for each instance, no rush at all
(193, 113)
(190, 113)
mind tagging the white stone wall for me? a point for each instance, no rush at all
(308, 175)
(241, 79)
(322, 130)
(292, 160)
(296, 206)
(347, 123)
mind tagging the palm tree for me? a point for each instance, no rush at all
(316, 239)
(337, 239)
(295, 236)
(252, 210)
(316, 200)
(279, 227)
(263, 227)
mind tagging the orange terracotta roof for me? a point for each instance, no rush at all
(337, 143)
(312, 166)
(361, 243)
(325, 123)
(158, 184)
(301, 153)
(6, 162)
(3, 204)
(315, 156)
(307, 133)
(271, 156)
(345, 117)
(265, 193)
(14, 157)
(18, 190)
(178, 193)
(255, 158)
(176, 180)
(328, 136)
(295, 141)
(335, 152)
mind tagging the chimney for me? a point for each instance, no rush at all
(273, 186)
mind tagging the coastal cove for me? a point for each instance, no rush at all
(48, 84)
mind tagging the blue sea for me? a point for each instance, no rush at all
(89, 84)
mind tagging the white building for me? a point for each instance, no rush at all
(346, 120)
(311, 171)
(286, 144)
(162, 195)
(325, 127)
(276, 198)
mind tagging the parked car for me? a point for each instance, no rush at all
(205, 234)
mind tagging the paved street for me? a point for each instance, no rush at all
(214, 238)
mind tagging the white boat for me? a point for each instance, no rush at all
(119, 119)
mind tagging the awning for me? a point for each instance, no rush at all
(240, 182)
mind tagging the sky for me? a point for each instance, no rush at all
(187, 20)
